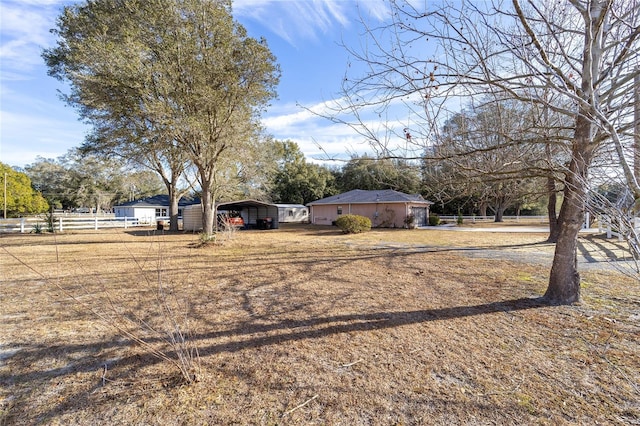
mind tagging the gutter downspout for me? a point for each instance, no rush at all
(406, 211)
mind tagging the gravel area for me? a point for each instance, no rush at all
(594, 250)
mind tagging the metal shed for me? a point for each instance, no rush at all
(192, 218)
(293, 213)
(256, 214)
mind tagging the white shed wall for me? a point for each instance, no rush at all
(192, 218)
(293, 214)
(143, 214)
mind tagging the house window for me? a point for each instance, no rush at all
(161, 212)
(339, 209)
(290, 213)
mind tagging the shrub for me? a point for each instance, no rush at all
(353, 224)
(410, 221)
(434, 220)
(207, 238)
(460, 219)
(50, 220)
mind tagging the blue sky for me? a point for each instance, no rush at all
(305, 36)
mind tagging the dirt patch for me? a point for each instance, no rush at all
(305, 325)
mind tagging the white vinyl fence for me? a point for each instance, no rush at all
(67, 223)
(618, 228)
(480, 219)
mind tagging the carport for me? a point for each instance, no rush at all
(256, 214)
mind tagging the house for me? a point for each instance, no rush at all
(147, 210)
(292, 213)
(255, 214)
(386, 208)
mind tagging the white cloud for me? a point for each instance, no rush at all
(318, 138)
(24, 33)
(296, 20)
(292, 20)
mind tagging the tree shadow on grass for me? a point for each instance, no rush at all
(314, 328)
(251, 335)
(610, 250)
(248, 335)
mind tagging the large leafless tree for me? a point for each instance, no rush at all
(575, 58)
(490, 150)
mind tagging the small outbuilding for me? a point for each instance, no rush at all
(293, 213)
(147, 210)
(255, 214)
(386, 208)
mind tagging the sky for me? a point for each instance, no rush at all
(306, 36)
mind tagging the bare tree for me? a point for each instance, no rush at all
(488, 152)
(429, 61)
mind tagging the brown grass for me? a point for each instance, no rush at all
(305, 325)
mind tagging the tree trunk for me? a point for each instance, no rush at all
(170, 177)
(564, 280)
(208, 209)
(499, 212)
(483, 210)
(173, 208)
(554, 227)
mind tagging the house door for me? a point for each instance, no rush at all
(420, 213)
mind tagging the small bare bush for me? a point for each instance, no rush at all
(169, 325)
(228, 226)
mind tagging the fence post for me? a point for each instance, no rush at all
(621, 231)
(60, 224)
(22, 221)
(125, 222)
(96, 222)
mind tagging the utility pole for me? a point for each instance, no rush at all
(5, 196)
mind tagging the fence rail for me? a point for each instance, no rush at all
(474, 219)
(618, 228)
(66, 223)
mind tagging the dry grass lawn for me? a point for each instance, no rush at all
(304, 325)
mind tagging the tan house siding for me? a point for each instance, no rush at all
(386, 207)
(387, 215)
(323, 215)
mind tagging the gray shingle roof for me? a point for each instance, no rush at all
(159, 201)
(361, 196)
